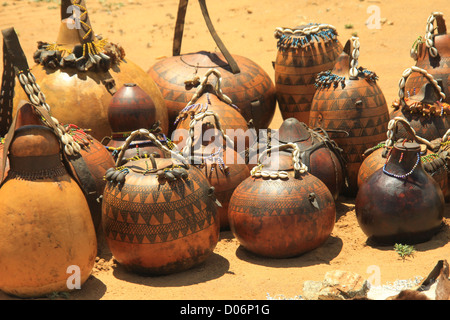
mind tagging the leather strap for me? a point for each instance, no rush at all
(179, 28)
(6, 99)
(440, 23)
(17, 58)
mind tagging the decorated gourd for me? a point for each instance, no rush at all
(224, 168)
(433, 162)
(80, 72)
(131, 108)
(350, 106)
(302, 53)
(208, 98)
(424, 109)
(400, 203)
(432, 53)
(159, 214)
(281, 213)
(46, 229)
(318, 152)
(87, 157)
(246, 83)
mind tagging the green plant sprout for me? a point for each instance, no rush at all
(404, 250)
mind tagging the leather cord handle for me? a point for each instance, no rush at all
(7, 93)
(14, 62)
(440, 23)
(179, 28)
(17, 61)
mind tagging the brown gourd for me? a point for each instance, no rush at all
(132, 108)
(281, 213)
(432, 53)
(433, 162)
(302, 53)
(159, 214)
(244, 81)
(318, 152)
(209, 98)
(350, 106)
(400, 203)
(224, 168)
(425, 109)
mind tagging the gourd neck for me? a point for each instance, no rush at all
(403, 160)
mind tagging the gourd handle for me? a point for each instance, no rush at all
(201, 90)
(352, 48)
(426, 74)
(16, 64)
(179, 28)
(299, 166)
(150, 136)
(217, 89)
(198, 117)
(429, 34)
(393, 129)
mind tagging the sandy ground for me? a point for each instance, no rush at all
(145, 29)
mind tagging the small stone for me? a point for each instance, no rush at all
(330, 293)
(344, 284)
(311, 289)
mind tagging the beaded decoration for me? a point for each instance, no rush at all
(98, 54)
(79, 135)
(215, 160)
(403, 176)
(57, 171)
(438, 109)
(302, 38)
(325, 79)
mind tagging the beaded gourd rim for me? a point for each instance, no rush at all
(304, 37)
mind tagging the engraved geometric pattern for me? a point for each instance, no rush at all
(251, 84)
(295, 76)
(156, 213)
(260, 197)
(335, 109)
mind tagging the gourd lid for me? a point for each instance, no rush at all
(292, 130)
(408, 146)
